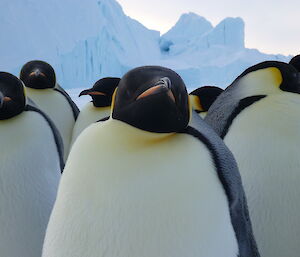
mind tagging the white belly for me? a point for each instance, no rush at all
(127, 194)
(88, 115)
(265, 141)
(29, 176)
(57, 107)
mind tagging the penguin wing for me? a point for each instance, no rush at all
(104, 119)
(74, 107)
(56, 134)
(31, 102)
(230, 178)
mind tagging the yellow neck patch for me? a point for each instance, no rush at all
(276, 76)
(195, 102)
(264, 81)
(113, 102)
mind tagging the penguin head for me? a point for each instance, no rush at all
(12, 96)
(295, 61)
(203, 97)
(38, 75)
(102, 91)
(266, 78)
(152, 98)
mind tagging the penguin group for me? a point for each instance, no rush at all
(147, 169)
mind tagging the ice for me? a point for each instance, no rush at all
(91, 39)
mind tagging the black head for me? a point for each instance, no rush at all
(276, 74)
(295, 61)
(12, 97)
(206, 95)
(152, 98)
(102, 91)
(269, 78)
(38, 75)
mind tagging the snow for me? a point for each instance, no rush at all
(37, 29)
(189, 27)
(87, 40)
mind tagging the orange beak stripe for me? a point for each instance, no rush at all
(7, 99)
(33, 73)
(152, 90)
(96, 93)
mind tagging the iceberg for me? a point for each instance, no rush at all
(87, 40)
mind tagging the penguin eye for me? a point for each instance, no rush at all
(164, 81)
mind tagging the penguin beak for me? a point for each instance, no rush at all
(37, 73)
(4, 99)
(90, 92)
(163, 85)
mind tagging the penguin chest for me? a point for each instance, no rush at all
(265, 141)
(29, 176)
(55, 105)
(88, 115)
(136, 198)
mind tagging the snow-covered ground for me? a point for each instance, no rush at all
(87, 40)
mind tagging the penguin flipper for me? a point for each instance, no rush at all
(74, 107)
(230, 178)
(104, 119)
(57, 137)
(31, 102)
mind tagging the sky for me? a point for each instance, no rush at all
(272, 26)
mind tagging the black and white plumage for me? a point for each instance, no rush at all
(154, 186)
(40, 81)
(100, 106)
(258, 118)
(31, 163)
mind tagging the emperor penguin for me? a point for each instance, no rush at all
(144, 183)
(258, 118)
(40, 81)
(31, 162)
(100, 106)
(295, 61)
(203, 97)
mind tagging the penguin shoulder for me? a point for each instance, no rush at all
(38, 92)
(56, 136)
(29, 134)
(48, 99)
(73, 106)
(113, 138)
(98, 112)
(88, 115)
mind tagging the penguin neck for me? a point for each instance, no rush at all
(12, 119)
(100, 108)
(136, 135)
(220, 111)
(37, 90)
(195, 102)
